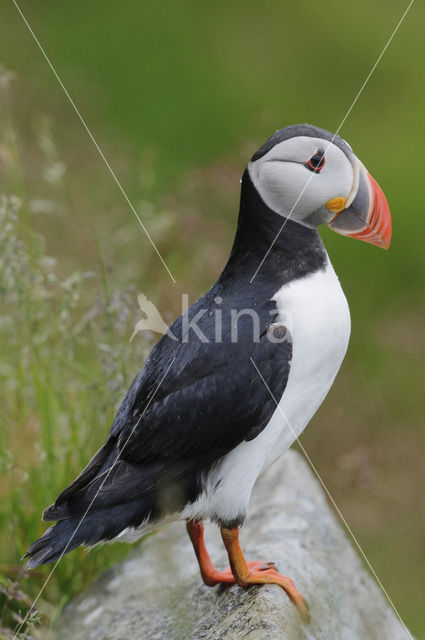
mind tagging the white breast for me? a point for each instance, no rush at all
(316, 312)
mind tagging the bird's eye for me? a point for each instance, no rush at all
(317, 161)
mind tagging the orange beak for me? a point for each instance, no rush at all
(367, 217)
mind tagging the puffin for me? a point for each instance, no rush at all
(238, 376)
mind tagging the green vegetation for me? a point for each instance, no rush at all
(178, 96)
(67, 363)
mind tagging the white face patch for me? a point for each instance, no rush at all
(280, 177)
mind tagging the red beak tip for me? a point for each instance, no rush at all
(380, 217)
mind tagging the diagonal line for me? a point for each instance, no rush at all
(336, 133)
(375, 65)
(332, 500)
(83, 122)
(91, 503)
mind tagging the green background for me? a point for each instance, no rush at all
(179, 95)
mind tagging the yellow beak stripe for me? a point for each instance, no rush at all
(336, 205)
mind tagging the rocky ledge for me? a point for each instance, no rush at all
(157, 593)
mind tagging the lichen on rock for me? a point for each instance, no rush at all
(157, 593)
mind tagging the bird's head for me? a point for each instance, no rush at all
(313, 177)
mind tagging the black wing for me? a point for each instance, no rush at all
(205, 404)
(192, 402)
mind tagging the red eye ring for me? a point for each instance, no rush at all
(316, 162)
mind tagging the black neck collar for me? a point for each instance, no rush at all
(293, 251)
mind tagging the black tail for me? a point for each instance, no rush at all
(56, 541)
(111, 495)
(85, 518)
(99, 526)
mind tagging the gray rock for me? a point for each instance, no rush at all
(157, 594)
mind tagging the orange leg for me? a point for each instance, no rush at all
(210, 575)
(250, 573)
(240, 572)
